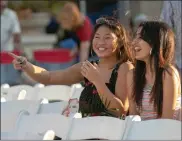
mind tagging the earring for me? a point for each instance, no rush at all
(120, 53)
(91, 52)
(150, 51)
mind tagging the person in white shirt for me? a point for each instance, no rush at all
(10, 28)
(10, 40)
(171, 14)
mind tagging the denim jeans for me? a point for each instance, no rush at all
(9, 74)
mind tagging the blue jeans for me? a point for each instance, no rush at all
(9, 74)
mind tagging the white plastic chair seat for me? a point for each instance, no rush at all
(40, 123)
(56, 107)
(159, 129)
(4, 89)
(39, 85)
(3, 99)
(20, 136)
(77, 85)
(77, 93)
(14, 91)
(9, 121)
(16, 106)
(8, 135)
(55, 92)
(5, 85)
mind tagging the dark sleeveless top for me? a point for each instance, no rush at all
(90, 103)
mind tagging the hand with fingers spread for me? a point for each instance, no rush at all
(91, 72)
(19, 62)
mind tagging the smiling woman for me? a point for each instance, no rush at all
(105, 80)
(103, 41)
(106, 91)
(154, 85)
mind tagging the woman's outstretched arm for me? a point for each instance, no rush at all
(67, 76)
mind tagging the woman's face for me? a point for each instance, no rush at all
(141, 47)
(65, 20)
(104, 42)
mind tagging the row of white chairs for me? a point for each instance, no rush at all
(37, 119)
(24, 126)
(11, 109)
(35, 100)
(51, 92)
(33, 107)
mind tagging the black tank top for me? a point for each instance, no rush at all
(90, 103)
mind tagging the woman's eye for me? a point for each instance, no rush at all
(96, 37)
(107, 37)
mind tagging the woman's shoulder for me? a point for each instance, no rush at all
(86, 23)
(171, 72)
(126, 66)
(171, 76)
(84, 32)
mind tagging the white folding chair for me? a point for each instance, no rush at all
(22, 94)
(14, 91)
(76, 85)
(39, 85)
(55, 92)
(8, 121)
(3, 99)
(41, 123)
(4, 89)
(158, 129)
(8, 135)
(16, 106)
(77, 92)
(49, 135)
(5, 86)
(56, 107)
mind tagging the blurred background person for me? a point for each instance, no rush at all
(10, 40)
(171, 14)
(53, 26)
(10, 27)
(74, 31)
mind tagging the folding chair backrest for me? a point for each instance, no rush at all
(16, 106)
(40, 123)
(55, 92)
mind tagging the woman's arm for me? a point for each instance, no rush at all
(129, 87)
(68, 76)
(171, 83)
(120, 99)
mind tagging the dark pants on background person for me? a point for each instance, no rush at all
(10, 75)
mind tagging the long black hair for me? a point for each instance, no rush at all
(161, 39)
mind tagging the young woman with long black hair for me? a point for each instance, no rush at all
(153, 86)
